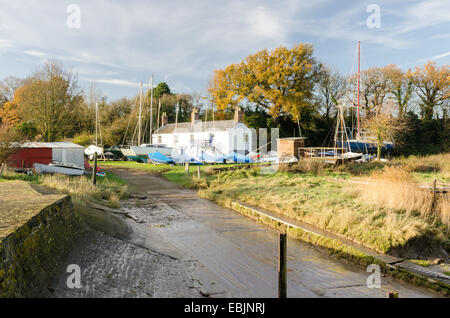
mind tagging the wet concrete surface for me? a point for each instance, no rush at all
(190, 247)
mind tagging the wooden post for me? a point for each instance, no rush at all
(282, 268)
(433, 202)
(393, 294)
(186, 168)
(198, 172)
(94, 170)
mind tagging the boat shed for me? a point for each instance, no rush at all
(46, 152)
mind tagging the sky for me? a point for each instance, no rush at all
(117, 44)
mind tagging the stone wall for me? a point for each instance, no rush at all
(29, 255)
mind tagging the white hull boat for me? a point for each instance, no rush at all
(92, 149)
(40, 168)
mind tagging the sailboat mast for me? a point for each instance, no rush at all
(176, 115)
(359, 82)
(140, 115)
(151, 110)
(96, 123)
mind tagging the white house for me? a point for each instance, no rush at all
(223, 136)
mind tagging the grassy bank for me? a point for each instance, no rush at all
(388, 214)
(108, 191)
(175, 174)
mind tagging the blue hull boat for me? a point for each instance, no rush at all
(363, 146)
(159, 158)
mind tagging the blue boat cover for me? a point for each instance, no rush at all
(158, 157)
(184, 158)
(212, 158)
(364, 146)
(236, 157)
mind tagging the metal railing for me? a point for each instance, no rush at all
(321, 152)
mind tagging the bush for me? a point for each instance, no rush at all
(83, 139)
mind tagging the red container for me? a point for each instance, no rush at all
(25, 157)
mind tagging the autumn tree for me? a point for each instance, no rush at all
(8, 109)
(48, 97)
(8, 114)
(432, 87)
(281, 81)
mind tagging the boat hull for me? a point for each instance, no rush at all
(92, 149)
(49, 169)
(364, 146)
(143, 151)
(159, 158)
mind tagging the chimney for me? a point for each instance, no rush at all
(164, 119)
(238, 115)
(194, 116)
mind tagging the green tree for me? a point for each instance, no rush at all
(160, 90)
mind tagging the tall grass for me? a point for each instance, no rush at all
(394, 188)
(108, 191)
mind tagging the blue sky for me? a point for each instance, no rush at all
(121, 43)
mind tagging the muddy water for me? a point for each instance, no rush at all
(185, 246)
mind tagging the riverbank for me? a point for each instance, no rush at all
(324, 199)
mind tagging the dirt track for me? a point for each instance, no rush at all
(189, 247)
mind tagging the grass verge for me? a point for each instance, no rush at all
(108, 191)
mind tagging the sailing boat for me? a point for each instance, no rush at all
(363, 142)
(95, 148)
(140, 151)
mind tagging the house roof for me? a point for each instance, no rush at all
(199, 126)
(50, 145)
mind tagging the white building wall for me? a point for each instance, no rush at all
(239, 139)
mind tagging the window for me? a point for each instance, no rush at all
(159, 139)
(192, 140)
(175, 139)
(246, 138)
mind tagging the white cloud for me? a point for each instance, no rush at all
(5, 43)
(184, 42)
(264, 24)
(35, 53)
(440, 56)
(115, 82)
